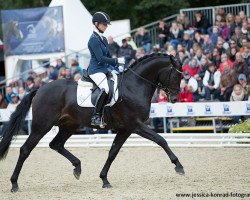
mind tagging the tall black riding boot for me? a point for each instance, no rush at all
(100, 101)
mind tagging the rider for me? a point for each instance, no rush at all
(100, 61)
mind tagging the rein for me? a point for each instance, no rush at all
(159, 86)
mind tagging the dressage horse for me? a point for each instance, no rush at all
(11, 29)
(55, 104)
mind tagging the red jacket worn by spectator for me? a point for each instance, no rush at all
(222, 67)
(191, 70)
(186, 96)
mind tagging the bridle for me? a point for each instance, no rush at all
(166, 88)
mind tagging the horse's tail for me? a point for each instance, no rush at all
(13, 126)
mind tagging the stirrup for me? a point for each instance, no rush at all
(102, 124)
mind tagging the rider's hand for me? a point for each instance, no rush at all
(121, 61)
(121, 68)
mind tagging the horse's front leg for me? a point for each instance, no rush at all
(144, 131)
(119, 140)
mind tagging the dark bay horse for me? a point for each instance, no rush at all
(55, 104)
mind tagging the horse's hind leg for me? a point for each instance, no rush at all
(144, 131)
(57, 144)
(119, 140)
(25, 151)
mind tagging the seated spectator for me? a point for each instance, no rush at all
(214, 32)
(225, 63)
(232, 54)
(220, 47)
(37, 82)
(246, 56)
(3, 102)
(139, 53)
(236, 23)
(14, 103)
(74, 62)
(198, 39)
(9, 92)
(232, 44)
(183, 57)
(175, 34)
(225, 30)
(68, 74)
(240, 66)
(21, 93)
(211, 81)
(201, 73)
(238, 36)
(62, 73)
(242, 79)
(52, 73)
(192, 67)
(59, 64)
(113, 47)
(200, 23)
(126, 51)
(216, 58)
(143, 39)
(185, 94)
(207, 44)
(163, 33)
(242, 16)
(130, 41)
(75, 70)
(244, 28)
(29, 85)
(244, 43)
(230, 22)
(238, 95)
(186, 42)
(228, 80)
(198, 56)
(192, 84)
(183, 20)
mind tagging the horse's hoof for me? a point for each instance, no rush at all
(179, 170)
(14, 189)
(77, 173)
(107, 185)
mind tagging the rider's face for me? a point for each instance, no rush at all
(103, 27)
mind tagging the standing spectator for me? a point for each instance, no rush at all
(175, 34)
(240, 66)
(143, 39)
(163, 32)
(3, 102)
(113, 47)
(185, 94)
(126, 51)
(211, 81)
(59, 64)
(52, 73)
(29, 85)
(200, 22)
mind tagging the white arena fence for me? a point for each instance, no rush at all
(162, 110)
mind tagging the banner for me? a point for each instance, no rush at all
(205, 109)
(32, 31)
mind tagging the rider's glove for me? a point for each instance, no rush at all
(121, 61)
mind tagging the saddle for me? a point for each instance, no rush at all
(96, 90)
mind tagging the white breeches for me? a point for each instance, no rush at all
(101, 81)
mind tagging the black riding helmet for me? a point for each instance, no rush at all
(101, 17)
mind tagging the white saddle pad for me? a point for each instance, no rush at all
(84, 93)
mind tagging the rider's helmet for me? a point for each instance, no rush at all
(101, 17)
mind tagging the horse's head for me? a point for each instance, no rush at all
(16, 30)
(170, 78)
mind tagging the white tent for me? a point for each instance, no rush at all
(77, 30)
